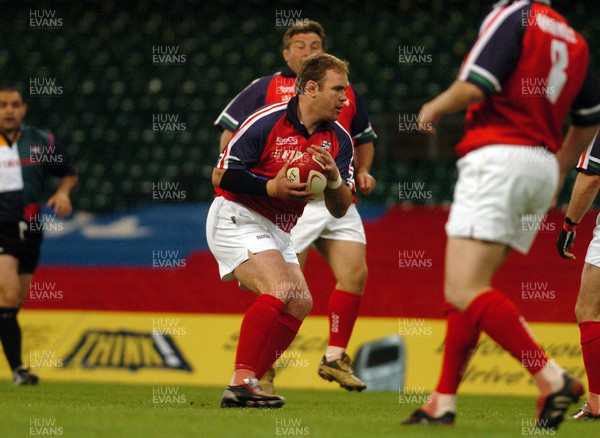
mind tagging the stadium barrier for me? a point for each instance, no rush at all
(110, 302)
(199, 349)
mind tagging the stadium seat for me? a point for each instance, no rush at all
(111, 88)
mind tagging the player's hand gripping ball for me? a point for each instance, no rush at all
(307, 169)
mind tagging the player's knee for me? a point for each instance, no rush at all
(8, 298)
(306, 305)
(455, 301)
(459, 293)
(361, 275)
(449, 292)
(354, 279)
(455, 298)
(300, 304)
(585, 313)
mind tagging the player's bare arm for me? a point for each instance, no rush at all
(279, 186)
(61, 200)
(338, 195)
(456, 98)
(575, 142)
(584, 192)
(224, 139)
(363, 158)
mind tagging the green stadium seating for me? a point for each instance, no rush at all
(102, 57)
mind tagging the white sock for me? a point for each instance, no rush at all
(443, 403)
(550, 378)
(334, 353)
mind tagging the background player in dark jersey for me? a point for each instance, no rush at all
(342, 242)
(39, 158)
(249, 221)
(587, 308)
(508, 175)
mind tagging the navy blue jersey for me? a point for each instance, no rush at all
(590, 159)
(281, 87)
(535, 69)
(272, 136)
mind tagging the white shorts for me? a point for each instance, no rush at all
(593, 253)
(233, 230)
(316, 222)
(502, 194)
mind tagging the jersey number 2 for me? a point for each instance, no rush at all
(557, 77)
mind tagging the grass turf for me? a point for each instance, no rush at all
(114, 410)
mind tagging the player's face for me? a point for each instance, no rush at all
(301, 46)
(331, 96)
(12, 110)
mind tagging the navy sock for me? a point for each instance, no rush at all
(10, 336)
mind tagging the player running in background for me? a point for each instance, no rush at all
(28, 156)
(248, 221)
(341, 242)
(509, 174)
(587, 308)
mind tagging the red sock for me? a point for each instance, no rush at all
(342, 310)
(284, 333)
(461, 340)
(495, 314)
(257, 328)
(590, 348)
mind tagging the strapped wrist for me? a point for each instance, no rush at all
(334, 184)
(568, 225)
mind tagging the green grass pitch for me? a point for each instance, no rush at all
(115, 410)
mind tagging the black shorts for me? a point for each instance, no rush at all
(17, 240)
(31, 251)
(12, 238)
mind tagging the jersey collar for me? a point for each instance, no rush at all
(292, 115)
(287, 72)
(16, 136)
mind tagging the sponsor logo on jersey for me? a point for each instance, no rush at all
(280, 141)
(291, 155)
(126, 350)
(10, 163)
(286, 90)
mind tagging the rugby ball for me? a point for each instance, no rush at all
(307, 169)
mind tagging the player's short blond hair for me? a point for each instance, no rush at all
(315, 67)
(308, 27)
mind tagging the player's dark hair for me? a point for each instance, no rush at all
(314, 68)
(11, 89)
(308, 27)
